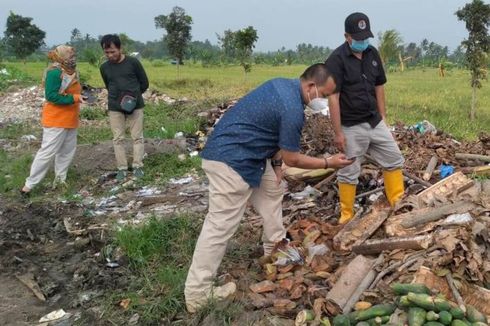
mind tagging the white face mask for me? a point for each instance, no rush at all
(317, 104)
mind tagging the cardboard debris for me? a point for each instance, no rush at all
(444, 189)
(360, 229)
(350, 280)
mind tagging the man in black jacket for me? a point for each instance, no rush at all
(358, 114)
(126, 81)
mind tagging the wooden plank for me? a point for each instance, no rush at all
(360, 229)
(451, 185)
(350, 280)
(376, 246)
(28, 280)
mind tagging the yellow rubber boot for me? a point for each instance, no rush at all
(347, 195)
(394, 187)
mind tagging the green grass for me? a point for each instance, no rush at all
(412, 96)
(159, 168)
(416, 95)
(159, 253)
(13, 172)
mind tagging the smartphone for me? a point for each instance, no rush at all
(352, 158)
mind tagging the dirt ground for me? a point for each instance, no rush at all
(68, 269)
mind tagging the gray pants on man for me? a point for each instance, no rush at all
(377, 142)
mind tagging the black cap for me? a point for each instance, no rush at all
(358, 26)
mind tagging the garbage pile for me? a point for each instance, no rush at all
(25, 104)
(438, 235)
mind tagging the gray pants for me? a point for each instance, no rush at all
(378, 142)
(59, 144)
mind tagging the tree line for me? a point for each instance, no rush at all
(23, 40)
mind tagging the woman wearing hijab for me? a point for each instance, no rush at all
(60, 118)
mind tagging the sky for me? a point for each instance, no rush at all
(280, 23)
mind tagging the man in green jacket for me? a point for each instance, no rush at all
(126, 81)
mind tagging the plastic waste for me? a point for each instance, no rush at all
(446, 170)
(423, 127)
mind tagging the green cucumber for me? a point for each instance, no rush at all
(403, 302)
(416, 316)
(341, 320)
(402, 289)
(459, 322)
(457, 313)
(445, 317)
(433, 323)
(442, 304)
(422, 300)
(431, 316)
(474, 315)
(375, 311)
(362, 323)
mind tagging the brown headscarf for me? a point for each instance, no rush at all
(63, 57)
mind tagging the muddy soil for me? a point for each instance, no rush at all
(68, 269)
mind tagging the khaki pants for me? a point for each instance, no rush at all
(118, 121)
(378, 142)
(228, 197)
(57, 143)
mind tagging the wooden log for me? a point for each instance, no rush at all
(325, 181)
(350, 280)
(455, 291)
(363, 286)
(28, 280)
(396, 265)
(437, 213)
(417, 179)
(375, 246)
(477, 170)
(430, 168)
(465, 156)
(370, 192)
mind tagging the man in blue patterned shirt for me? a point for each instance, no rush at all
(242, 160)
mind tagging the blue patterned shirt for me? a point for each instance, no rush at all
(267, 119)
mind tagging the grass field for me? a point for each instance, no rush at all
(159, 252)
(412, 96)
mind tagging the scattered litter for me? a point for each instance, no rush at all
(194, 153)
(445, 170)
(28, 138)
(458, 219)
(308, 193)
(181, 181)
(424, 127)
(54, 315)
(181, 157)
(148, 191)
(112, 265)
(179, 134)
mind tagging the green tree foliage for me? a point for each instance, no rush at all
(205, 52)
(390, 43)
(244, 43)
(127, 42)
(23, 37)
(87, 47)
(227, 43)
(310, 54)
(178, 27)
(476, 15)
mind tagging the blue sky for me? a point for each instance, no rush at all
(279, 22)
